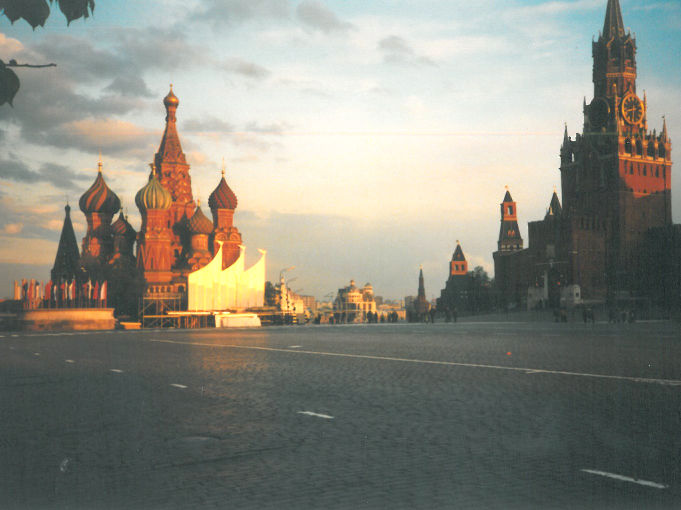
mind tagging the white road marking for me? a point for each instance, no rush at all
(116, 370)
(664, 382)
(14, 336)
(181, 386)
(36, 354)
(69, 361)
(64, 465)
(625, 478)
(2, 336)
(294, 346)
(317, 415)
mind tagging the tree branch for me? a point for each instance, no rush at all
(13, 63)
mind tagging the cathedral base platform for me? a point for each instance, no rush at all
(66, 319)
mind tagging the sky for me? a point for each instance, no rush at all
(363, 139)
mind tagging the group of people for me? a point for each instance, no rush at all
(62, 294)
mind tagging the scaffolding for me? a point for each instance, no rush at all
(155, 310)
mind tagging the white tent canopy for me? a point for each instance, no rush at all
(212, 288)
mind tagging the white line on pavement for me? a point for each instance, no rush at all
(69, 361)
(294, 346)
(116, 370)
(2, 336)
(14, 336)
(36, 354)
(317, 415)
(625, 478)
(181, 386)
(664, 382)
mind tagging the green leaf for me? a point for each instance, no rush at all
(75, 9)
(35, 12)
(9, 85)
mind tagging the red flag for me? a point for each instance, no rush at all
(95, 291)
(102, 293)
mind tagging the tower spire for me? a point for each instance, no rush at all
(664, 128)
(613, 25)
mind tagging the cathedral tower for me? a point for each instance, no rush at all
(173, 174)
(66, 266)
(154, 246)
(99, 204)
(222, 203)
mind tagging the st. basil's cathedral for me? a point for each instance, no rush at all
(175, 239)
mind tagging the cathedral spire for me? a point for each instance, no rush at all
(170, 150)
(422, 287)
(66, 262)
(613, 26)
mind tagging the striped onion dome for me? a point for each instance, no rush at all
(153, 196)
(199, 224)
(222, 197)
(121, 227)
(99, 198)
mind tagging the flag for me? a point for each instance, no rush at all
(89, 289)
(95, 291)
(62, 287)
(72, 289)
(103, 290)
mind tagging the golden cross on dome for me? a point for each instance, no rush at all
(99, 163)
(223, 166)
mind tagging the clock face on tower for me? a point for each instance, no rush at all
(632, 109)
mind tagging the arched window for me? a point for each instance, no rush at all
(639, 148)
(662, 151)
(627, 146)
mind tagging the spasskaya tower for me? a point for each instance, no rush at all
(616, 175)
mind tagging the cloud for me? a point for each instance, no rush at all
(245, 68)
(133, 86)
(207, 124)
(277, 128)
(314, 14)
(12, 228)
(228, 12)
(112, 136)
(58, 175)
(19, 250)
(398, 51)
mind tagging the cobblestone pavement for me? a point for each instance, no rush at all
(383, 416)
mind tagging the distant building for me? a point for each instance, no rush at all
(352, 304)
(418, 311)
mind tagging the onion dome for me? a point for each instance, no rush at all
(199, 224)
(99, 198)
(222, 197)
(153, 196)
(171, 99)
(122, 228)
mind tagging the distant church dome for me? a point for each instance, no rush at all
(99, 198)
(199, 224)
(122, 228)
(153, 196)
(171, 99)
(222, 197)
